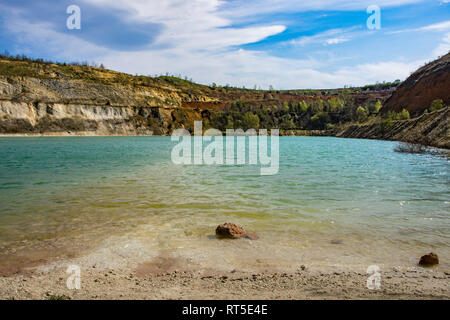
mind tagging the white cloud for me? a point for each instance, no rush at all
(200, 41)
(249, 68)
(443, 48)
(437, 26)
(253, 7)
(336, 40)
(32, 37)
(329, 37)
(441, 26)
(192, 24)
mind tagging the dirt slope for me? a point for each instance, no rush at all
(428, 83)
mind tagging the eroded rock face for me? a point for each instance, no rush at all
(430, 259)
(429, 129)
(428, 83)
(66, 106)
(230, 230)
(85, 119)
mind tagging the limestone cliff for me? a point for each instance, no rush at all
(46, 98)
(102, 103)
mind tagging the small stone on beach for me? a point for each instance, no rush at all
(428, 260)
(233, 231)
(230, 230)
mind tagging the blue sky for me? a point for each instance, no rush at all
(282, 43)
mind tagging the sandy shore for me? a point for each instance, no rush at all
(163, 279)
(118, 284)
(124, 267)
(127, 267)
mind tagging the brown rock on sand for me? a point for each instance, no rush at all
(430, 259)
(231, 231)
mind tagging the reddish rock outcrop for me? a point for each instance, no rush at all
(428, 83)
(430, 259)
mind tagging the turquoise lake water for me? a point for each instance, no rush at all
(379, 205)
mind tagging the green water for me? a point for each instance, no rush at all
(385, 207)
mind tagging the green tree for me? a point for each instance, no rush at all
(250, 121)
(403, 115)
(317, 106)
(361, 114)
(320, 120)
(303, 106)
(230, 123)
(377, 106)
(437, 104)
(287, 123)
(333, 105)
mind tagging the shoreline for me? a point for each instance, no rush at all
(145, 284)
(88, 135)
(125, 271)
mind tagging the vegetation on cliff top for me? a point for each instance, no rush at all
(23, 66)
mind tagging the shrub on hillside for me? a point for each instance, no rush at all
(436, 105)
(361, 114)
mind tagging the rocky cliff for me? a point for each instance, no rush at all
(32, 105)
(58, 99)
(429, 129)
(428, 83)
(47, 98)
(37, 98)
